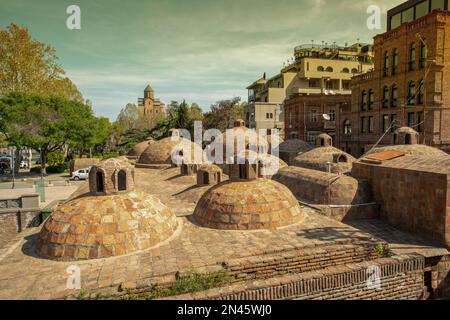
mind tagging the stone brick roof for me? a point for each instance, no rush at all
(318, 158)
(417, 157)
(249, 205)
(295, 146)
(97, 227)
(160, 151)
(139, 148)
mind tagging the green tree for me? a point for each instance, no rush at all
(223, 114)
(27, 65)
(128, 117)
(46, 124)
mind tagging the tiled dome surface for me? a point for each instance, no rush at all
(139, 148)
(294, 146)
(160, 151)
(318, 158)
(248, 205)
(99, 227)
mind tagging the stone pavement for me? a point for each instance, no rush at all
(23, 275)
(51, 193)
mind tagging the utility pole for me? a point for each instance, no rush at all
(13, 153)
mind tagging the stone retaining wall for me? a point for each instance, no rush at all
(401, 279)
(17, 214)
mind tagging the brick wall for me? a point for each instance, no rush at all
(415, 201)
(401, 279)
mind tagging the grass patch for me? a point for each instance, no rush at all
(381, 252)
(190, 283)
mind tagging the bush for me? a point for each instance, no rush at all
(36, 170)
(55, 159)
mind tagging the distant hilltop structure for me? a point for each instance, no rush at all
(149, 105)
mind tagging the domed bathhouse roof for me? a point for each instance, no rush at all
(246, 202)
(237, 139)
(417, 150)
(116, 223)
(160, 152)
(248, 205)
(326, 158)
(268, 164)
(139, 148)
(290, 148)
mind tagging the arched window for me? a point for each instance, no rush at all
(99, 181)
(354, 70)
(243, 172)
(412, 57)
(371, 100)
(408, 138)
(347, 127)
(122, 180)
(385, 103)
(394, 96)
(422, 55)
(345, 70)
(329, 69)
(394, 61)
(386, 64)
(363, 100)
(411, 93)
(420, 86)
(320, 69)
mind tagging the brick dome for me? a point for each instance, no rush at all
(160, 152)
(138, 149)
(103, 226)
(323, 157)
(230, 140)
(290, 148)
(248, 205)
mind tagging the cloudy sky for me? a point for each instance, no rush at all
(198, 50)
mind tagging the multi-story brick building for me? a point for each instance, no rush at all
(307, 116)
(409, 85)
(324, 70)
(321, 87)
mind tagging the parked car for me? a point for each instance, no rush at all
(81, 174)
(38, 161)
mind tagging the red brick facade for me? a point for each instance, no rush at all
(404, 57)
(303, 116)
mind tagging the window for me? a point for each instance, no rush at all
(393, 122)
(411, 93)
(411, 119)
(345, 70)
(354, 70)
(385, 102)
(371, 125)
(269, 115)
(363, 124)
(363, 100)
(313, 84)
(314, 116)
(422, 55)
(419, 121)
(408, 15)
(385, 122)
(395, 61)
(386, 64)
(421, 9)
(371, 100)
(437, 4)
(412, 57)
(320, 69)
(290, 119)
(396, 21)
(394, 96)
(329, 69)
(346, 85)
(347, 127)
(420, 92)
(332, 115)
